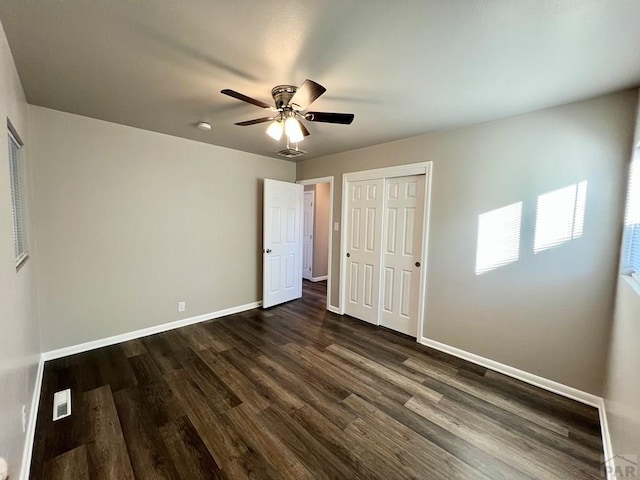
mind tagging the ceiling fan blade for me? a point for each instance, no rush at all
(343, 118)
(244, 98)
(253, 122)
(308, 92)
(305, 132)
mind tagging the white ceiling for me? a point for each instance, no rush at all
(402, 67)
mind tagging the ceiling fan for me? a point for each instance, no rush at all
(290, 108)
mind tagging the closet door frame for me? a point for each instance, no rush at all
(423, 168)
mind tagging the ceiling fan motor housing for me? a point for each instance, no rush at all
(282, 94)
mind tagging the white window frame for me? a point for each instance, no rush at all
(16, 172)
(630, 230)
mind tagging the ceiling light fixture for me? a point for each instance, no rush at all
(289, 112)
(275, 130)
(204, 126)
(287, 123)
(292, 129)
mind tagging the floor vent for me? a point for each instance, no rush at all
(291, 152)
(61, 404)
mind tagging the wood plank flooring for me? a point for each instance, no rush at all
(296, 392)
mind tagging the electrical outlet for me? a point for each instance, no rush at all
(182, 306)
(24, 418)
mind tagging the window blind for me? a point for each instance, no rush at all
(17, 200)
(631, 253)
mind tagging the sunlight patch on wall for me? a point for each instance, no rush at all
(560, 216)
(498, 238)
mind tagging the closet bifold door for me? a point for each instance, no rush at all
(402, 233)
(363, 249)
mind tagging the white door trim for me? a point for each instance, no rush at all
(329, 180)
(421, 168)
(390, 172)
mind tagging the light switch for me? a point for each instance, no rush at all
(336, 227)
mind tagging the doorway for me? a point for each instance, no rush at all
(317, 231)
(308, 233)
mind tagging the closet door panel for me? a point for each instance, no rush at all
(402, 240)
(364, 237)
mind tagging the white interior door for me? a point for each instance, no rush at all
(402, 246)
(364, 235)
(282, 242)
(307, 235)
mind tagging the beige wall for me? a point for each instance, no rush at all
(548, 314)
(130, 222)
(622, 392)
(321, 231)
(20, 339)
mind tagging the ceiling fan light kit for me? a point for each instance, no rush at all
(275, 130)
(290, 108)
(292, 129)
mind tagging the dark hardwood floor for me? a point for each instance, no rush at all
(298, 392)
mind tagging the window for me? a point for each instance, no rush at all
(17, 197)
(631, 248)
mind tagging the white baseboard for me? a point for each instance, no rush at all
(530, 378)
(319, 279)
(333, 309)
(544, 383)
(27, 451)
(123, 337)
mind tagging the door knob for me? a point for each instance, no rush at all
(417, 264)
(348, 254)
(268, 250)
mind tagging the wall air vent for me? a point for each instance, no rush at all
(61, 404)
(291, 152)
